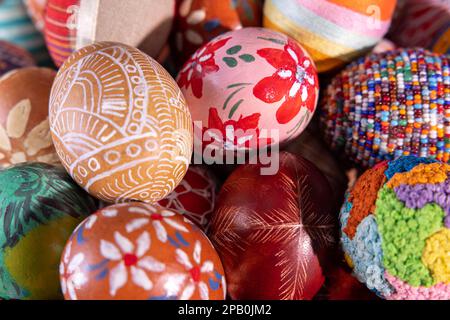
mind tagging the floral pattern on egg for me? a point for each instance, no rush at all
(248, 80)
(24, 128)
(140, 251)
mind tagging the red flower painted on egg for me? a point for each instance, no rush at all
(294, 80)
(199, 65)
(235, 135)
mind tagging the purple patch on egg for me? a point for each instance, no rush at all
(418, 195)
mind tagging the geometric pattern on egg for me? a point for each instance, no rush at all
(120, 124)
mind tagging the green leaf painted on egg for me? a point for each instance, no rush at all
(234, 50)
(231, 62)
(247, 57)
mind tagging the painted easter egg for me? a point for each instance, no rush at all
(199, 21)
(60, 28)
(334, 32)
(13, 57)
(395, 229)
(40, 208)
(423, 23)
(390, 104)
(145, 24)
(36, 10)
(274, 233)
(195, 196)
(24, 129)
(120, 124)
(245, 83)
(138, 251)
(17, 27)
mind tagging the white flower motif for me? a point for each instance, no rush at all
(72, 277)
(32, 141)
(90, 221)
(157, 218)
(130, 257)
(195, 270)
(300, 76)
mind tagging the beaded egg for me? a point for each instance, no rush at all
(390, 104)
(138, 251)
(60, 28)
(272, 229)
(199, 21)
(249, 88)
(40, 208)
(395, 227)
(423, 23)
(195, 196)
(13, 57)
(17, 27)
(120, 124)
(24, 128)
(36, 10)
(334, 32)
(145, 24)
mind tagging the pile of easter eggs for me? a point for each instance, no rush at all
(181, 150)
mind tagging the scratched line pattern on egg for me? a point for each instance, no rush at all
(125, 125)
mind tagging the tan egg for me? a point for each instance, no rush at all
(120, 124)
(24, 130)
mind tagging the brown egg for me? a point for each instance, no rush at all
(24, 129)
(120, 124)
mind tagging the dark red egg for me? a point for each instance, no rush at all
(274, 232)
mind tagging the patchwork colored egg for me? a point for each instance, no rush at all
(249, 88)
(137, 251)
(60, 28)
(199, 21)
(334, 32)
(13, 57)
(24, 129)
(395, 229)
(274, 233)
(195, 196)
(423, 23)
(390, 104)
(17, 27)
(145, 24)
(120, 124)
(36, 10)
(40, 208)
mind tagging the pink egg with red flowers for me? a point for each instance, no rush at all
(246, 82)
(195, 196)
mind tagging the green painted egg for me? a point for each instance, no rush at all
(40, 206)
